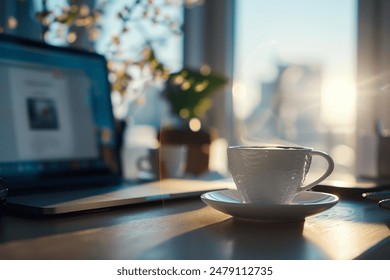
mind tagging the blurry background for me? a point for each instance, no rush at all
(302, 72)
(295, 72)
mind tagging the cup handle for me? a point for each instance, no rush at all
(141, 163)
(327, 172)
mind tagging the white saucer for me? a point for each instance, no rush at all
(305, 204)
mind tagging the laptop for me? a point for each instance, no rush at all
(58, 144)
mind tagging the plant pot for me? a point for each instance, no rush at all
(198, 144)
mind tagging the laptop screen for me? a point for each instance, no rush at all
(56, 123)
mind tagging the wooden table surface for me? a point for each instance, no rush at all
(188, 229)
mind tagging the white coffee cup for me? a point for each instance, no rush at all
(273, 175)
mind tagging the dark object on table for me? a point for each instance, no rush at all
(3, 196)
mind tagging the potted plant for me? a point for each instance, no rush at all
(189, 94)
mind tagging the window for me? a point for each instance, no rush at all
(294, 80)
(156, 23)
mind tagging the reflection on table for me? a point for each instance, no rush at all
(188, 229)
